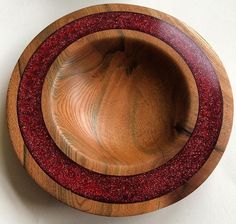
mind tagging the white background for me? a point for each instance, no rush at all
(22, 201)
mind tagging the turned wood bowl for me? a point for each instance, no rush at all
(119, 110)
(119, 102)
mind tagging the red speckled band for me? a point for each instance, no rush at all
(120, 189)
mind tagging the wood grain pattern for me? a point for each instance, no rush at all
(111, 103)
(15, 136)
(106, 208)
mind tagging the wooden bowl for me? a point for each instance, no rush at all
(119, 110)
(112, 104)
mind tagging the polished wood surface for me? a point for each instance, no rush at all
(120, 102)
(107, 208)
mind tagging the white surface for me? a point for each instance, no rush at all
(22, 201)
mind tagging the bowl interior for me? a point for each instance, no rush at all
(119, 102)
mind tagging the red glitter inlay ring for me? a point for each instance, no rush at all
(120, 189)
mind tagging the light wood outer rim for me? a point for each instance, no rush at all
(101, 208)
